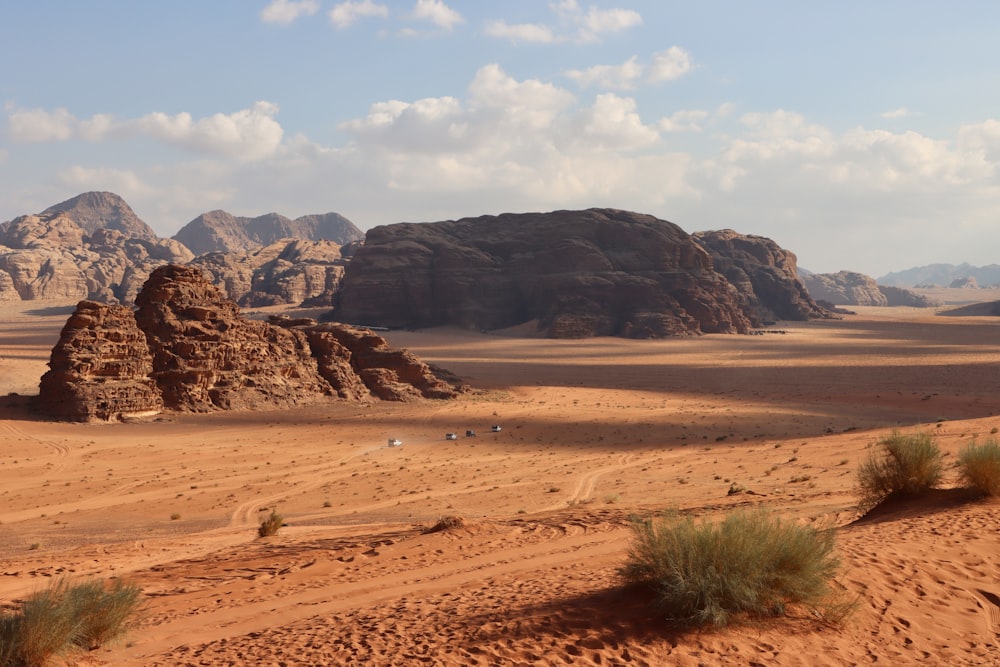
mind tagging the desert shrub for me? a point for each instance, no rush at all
(750, 564)
(105, 612)
(980, 467)
(900, 465)
(271, 524)
(63, 617)
(44, 628)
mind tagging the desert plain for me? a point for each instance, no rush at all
(593, 432)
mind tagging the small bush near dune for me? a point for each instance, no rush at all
(900, 465)
(751, 564)
(66, 617)
(447, 522)
(980, 466)
(271, 524)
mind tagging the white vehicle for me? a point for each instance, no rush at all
(451, 436)
(495, 428)
(393, 442)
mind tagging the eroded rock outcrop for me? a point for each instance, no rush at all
(290, 271)
(101, 367)
(187, 348)
(765, 275)
(599, 272)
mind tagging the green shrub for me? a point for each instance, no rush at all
(900, 465)
(749, 564)
(64, 617)
(271, 524)
(980, 466)
(105, 612)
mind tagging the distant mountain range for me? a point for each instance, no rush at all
(94, 246)
(944, 275)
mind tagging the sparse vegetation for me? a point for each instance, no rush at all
(751, 564)
(271, 525)
(980, 467)
(900, 465)
(65, 617)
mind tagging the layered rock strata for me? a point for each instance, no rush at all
(186, 348)
(599, 272)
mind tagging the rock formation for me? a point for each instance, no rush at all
(219, 231)
(101, 367)
(187, 348)
(764, 273)
(287, 271)
(599, 272)
(64, 253)
(847, 288)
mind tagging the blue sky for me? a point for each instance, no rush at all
(861, 135)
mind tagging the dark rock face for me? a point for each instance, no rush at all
(847, 288)
(764, 274)
(100, 368)
(186, 348)
(219, 231)
(599, 272)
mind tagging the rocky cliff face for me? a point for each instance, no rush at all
(101, 367)
(63, 253)
(287, 271)
(187, 348)
(599, 272)
(219, 231)
(764, 274)
(847, 288)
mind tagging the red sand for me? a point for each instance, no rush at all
(594, 431)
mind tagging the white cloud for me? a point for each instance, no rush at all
(345, 14)
(438, 13)
(39, 125)
(286, 11)
(669, 65)
(598, 21)
(901, 112)
(521, 32)
(684, 121)
(614, 77)
(613, 124)
(124, 182)
(249, 134)
(574, 24)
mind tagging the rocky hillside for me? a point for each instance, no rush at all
(764, 273)
(95, 247)
(187, 348)
(599, 272)
(847, 288)
(90, 247)
(287, 271)
(219, 231)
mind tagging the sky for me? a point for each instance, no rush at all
(862, 135)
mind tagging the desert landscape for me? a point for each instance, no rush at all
(593, 432)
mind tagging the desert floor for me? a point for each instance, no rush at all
(593, 432)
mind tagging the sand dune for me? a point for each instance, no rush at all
(594, 431)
